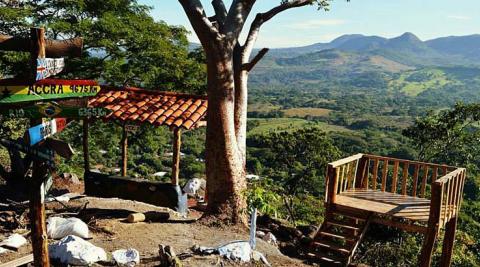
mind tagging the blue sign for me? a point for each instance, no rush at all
(40, 132)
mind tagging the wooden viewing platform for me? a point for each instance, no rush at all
(410, 195)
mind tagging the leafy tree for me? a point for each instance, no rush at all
(296, 162)
(123, 45)
(450, 136)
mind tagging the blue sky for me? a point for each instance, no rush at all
(427, 19)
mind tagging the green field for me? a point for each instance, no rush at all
(303, 112)
(290, 124)
(413, 83)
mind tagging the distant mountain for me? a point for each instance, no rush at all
(406, 49)
(466, 46)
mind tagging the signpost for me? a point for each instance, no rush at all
(36, 88)
(42, 131)
(50, 110)
(17, 91)
(47, 67)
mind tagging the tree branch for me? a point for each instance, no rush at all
(261, 18)
(249, 66)
(220, 12)
(202, 26)
(236, 18)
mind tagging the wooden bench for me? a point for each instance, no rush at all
(411, 195)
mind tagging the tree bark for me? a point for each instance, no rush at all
(224, 167)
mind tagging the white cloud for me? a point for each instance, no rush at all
(312, 24)
(459, 17)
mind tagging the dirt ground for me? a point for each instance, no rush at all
(106, 218)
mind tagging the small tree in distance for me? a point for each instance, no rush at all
(228, 65)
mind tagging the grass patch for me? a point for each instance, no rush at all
(303, 112)
(290, 124)
(415, 82)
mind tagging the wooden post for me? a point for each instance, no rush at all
(86, 157)
(448, 242)
(37, 187)
(37, 216)
(361, 170)
(177, 142)
(124, 150)
(433, 226)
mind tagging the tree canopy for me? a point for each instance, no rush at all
(123, 44)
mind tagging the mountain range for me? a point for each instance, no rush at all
(405, 49)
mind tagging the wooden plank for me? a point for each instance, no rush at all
(41, 154)
(63, 149)
(362, 168)
(18, 262)
(412, 228)
(426, 168)
(409, 161)
(415, 180)
(16, 91)
(42, 131)
(53, 48)
(395, 176)
(406, 165)
(384, 175)
(375, 174)
(177, 142)
(346, 160)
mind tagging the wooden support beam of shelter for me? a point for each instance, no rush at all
(177, 142)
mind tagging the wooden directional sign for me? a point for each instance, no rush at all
(40, 132)
(42, 154)
(17, 91)
(63, 149)
(47, 67)
(50, 110)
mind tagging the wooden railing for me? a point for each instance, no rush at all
(448, 190)
(398, 176)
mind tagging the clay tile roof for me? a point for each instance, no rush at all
(155, 107)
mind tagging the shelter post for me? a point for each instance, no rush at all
(86, 157)
(177, 142)
(124, 149)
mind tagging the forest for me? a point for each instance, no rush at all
(304, 112)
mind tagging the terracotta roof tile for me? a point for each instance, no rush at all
(154, 107)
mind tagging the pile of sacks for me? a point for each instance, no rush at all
(73, 249)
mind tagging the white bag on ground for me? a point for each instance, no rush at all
(237, 250)
(126, 257)
(58, 228)
(74, 250)
(14, 241)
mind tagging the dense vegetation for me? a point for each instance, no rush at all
(306, 110)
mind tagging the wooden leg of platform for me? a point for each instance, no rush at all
(448, 241)
(427, 249)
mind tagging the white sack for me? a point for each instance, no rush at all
(14, 241)
(237, 250)
(74, 250)
(58, 228)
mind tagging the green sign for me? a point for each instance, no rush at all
(12, 91)
(50, 110)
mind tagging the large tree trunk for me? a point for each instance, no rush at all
(224, 164)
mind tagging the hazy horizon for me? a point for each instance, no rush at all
(427, 19)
